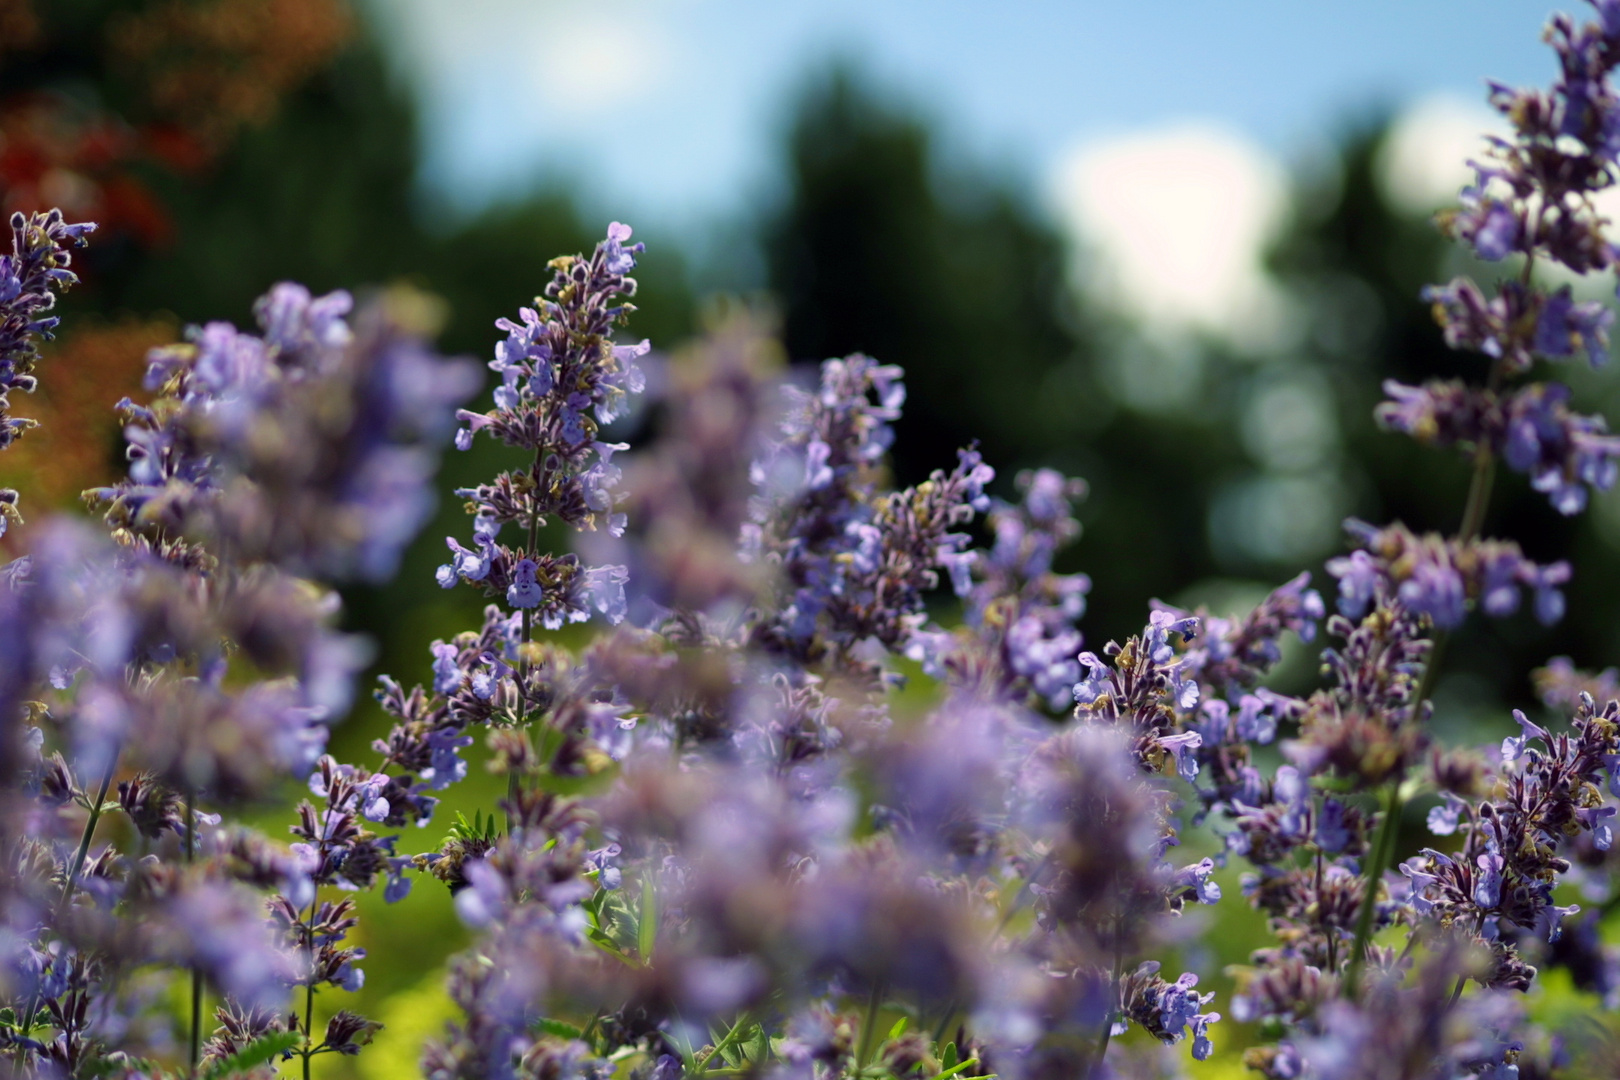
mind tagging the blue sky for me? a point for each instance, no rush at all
(666, 110)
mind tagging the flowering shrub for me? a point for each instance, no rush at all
(723, 850)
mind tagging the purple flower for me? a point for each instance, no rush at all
(446, 766)
(1515, 748)
(1498, 233)
(471, 565)
(1565, 326)
(1095, 684)
(525, 590)
(960, 566)
(30, 277)
(1161, 624)
(1332, 834)
(1419, 882)
(1549, 600)
(605, 585)
(1359, 578)
(1550, 923)
(1197, 878)
(484, 898)
(1202, 1047)
(621, 259)
(1443, 819)
(1488, 882)
(1435, 590)
(446, 672)
(349, 977)
(1595, 820)
(1254, 723)
(1182, 747)
(397, 889)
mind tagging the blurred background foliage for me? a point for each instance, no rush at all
(228, 144)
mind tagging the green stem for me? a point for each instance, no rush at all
(196, 1018)
(1473, 519)
(730, 1039)
(512, 781)
(88, 834)
(309, 991)
(1479, 494)
(196, 972)
(1113, 995)
(1382, 844)
(944, 1023)
(863, 1052)
(74, 869)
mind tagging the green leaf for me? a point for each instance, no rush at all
(121, 1066)
(562, 1029)
(254, 1054)
(899, 1028)
(958, 1067)
(759, 1046)
(731, 1050)
(647, 928)
(608, 945)
(947, 1059)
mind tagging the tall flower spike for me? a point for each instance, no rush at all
(1438, 578)
(688, 492)
(1531, 428)
(1022, 613)
(310, 446)
(30, 277)
(854, 562)
(562, 379)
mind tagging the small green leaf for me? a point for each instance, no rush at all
(561, 1029)
(254, 1054)
(958, 1067)
(947, 1059)
(608, 945)
(759, 1046)
(899, 1028)
(647, 927)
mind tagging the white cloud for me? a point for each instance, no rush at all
(549, 60)
(1173, 223)
(1423, 162)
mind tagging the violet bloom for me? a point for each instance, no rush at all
(1182, 747)
(525, 591)
(310, 447)
(1358, 582)
(1197, 878)
(1566, 326)
(30, 277)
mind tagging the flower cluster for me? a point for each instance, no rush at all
(309, 447)
(1503, 876)
(1438, 578)
(723, 850)
(562, 378)
(1531, 429)
(191, 657)
(853, 563)
(1020, 615)
(30, 277)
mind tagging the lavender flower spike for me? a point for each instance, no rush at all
(30, 277)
